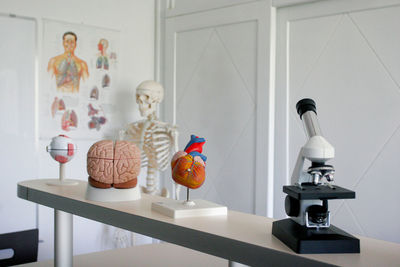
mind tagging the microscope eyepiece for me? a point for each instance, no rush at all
(305, 105)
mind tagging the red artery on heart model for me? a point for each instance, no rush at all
(188, 166)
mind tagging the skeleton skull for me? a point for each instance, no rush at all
(148, 95)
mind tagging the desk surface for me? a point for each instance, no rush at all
(147, 255)
(239, 237)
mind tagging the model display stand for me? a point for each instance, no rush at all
(62, 149)
(112, 194)
(61, 181)
(183, 209)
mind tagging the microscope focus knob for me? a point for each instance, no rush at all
(292, 206)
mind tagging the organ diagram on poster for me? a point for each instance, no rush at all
(78, 80)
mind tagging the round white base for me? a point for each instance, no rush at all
(57, 182)
(112, 194)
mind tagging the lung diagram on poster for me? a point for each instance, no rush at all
(78, 81)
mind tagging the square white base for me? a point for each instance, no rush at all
(178, 209)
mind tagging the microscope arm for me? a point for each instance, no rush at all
(298, 169)
(299, 176)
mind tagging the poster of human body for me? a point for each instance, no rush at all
(78, 80)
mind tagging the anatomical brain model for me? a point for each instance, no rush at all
(188, 166)
(156, 139)
(113, 164)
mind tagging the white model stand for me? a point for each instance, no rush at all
(112, 194)
(62, 181)
(183, 209)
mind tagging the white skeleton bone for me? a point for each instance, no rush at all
(157, 140)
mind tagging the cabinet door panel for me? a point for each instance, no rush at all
(344, 55)
(216, 77)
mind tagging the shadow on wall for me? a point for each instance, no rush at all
(126, 111)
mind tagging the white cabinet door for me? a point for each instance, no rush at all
(345, 55)
(182, 7)
(217, 87)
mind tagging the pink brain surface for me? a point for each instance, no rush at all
(100, 161)
(113, 165)
(126, 162)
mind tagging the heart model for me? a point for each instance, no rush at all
(188, 166)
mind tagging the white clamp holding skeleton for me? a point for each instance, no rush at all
(157, 140)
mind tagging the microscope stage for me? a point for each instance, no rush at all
(310, 191)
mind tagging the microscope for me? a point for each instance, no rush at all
(308, 230)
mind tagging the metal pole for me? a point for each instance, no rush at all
(235, 264)
(62, 239)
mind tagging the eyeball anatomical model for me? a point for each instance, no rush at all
(113, 164)
(62, 148)
(188, 166)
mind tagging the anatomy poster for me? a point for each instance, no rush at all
(79, 70)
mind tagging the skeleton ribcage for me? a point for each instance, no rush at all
(157, 142)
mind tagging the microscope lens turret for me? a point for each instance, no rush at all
(307, 110)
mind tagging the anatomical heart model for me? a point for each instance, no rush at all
(189, 169)
(188, 166)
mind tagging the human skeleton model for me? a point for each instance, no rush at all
(157, 140)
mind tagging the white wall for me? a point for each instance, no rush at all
(135, 20)
(17, 129)
(344, 54)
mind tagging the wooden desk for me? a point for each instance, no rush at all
(238, 237)
(166, 255)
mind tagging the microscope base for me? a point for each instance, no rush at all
(303, 240)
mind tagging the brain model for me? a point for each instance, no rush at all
(188, 166)
(113, 164)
